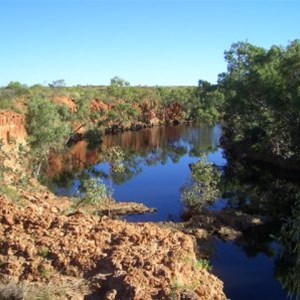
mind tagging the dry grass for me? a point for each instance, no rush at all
(25, 291)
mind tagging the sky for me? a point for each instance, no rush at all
(145, 42)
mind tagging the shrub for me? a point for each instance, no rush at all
(204, 188)
(95, 191)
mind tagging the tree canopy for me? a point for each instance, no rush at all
(262, 93)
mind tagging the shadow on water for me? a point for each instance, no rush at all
(157, 167)
(265, 262)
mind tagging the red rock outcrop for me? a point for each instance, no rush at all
(99, 106)
(12, 126)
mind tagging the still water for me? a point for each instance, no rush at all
(157, 168)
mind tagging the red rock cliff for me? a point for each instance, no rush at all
(12, 126)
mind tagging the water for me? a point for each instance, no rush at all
(246, 277)
(157, 169)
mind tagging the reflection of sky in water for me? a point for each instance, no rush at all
(160, 186)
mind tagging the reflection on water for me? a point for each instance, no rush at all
(142, 142)
(157, 167)
(154, 145)
(254, 261)
(246, 277)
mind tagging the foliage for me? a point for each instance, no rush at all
(289, 273)
(128, 104)
(47, 129)
(12, 291)
(210, 103)
(262, 107)
(115, 157)
(11, 93)
(290, 231)
(28, 291)
(118, 87)
(204, 189)
(60, 83)
(14, 169)
(95, 191)
(204, 264)
(180, 290)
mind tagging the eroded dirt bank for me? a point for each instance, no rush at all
(41, 241)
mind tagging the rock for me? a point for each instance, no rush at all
(228, 233)
(111, 295)
(125, 208)
(54, 209)
(12, 125)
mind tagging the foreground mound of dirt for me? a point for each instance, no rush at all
(116, 260)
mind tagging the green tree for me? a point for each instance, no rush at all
(47, 129)
(262, 95)
(118, 88)
(204, 189)
(60, 83)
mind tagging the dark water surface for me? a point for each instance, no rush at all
(157, 168)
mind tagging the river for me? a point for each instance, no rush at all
(157, 169)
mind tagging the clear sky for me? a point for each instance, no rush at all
(145, 42)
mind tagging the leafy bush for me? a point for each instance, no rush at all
(262, 93)
(205, 185)
(17, 176)
(203, 263)
(47, 129)
(95, 191)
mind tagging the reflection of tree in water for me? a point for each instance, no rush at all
(288, 264)
(257, 190)
(148, 147)
(148, 140)
(131, 168)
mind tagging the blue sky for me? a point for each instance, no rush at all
(145, 42)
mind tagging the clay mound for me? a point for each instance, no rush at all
(118, 259)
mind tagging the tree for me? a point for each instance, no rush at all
(120, 89)
(60, 83)
(47, 129)
(204, 188)
(262, 95)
